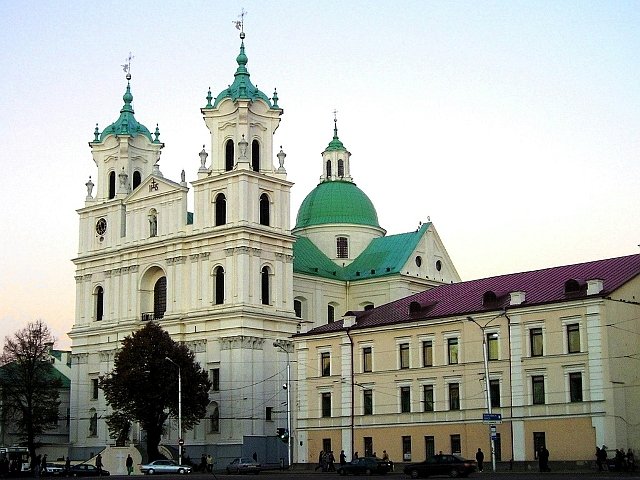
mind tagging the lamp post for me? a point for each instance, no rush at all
(485, 358)
(179, 410)
(282, 347)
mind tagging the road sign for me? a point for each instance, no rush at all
(181, 442)
(491, 418)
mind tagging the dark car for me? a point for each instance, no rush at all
(86, 470)
(243, 465)
(451, 465)
(365, 466)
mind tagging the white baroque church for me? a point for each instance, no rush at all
(232, 279)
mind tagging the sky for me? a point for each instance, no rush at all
(512, 125)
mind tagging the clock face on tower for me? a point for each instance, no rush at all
(101, 226)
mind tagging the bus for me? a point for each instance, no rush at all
(15, 459)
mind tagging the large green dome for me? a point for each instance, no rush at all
(336, 202)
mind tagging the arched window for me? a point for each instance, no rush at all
(264, 209)
(214, 418)
(571, 286)
(414, 307)
(331, 311)
(219, 285)
(255, 156)
(328, 168)
(340, 168)
(221, 210)
(99, 303)
(264, 280)
(112, 185)
(342, 247)
(369, 306)
(297, 307)
(160, 298)
(489, 299)
(137, 179)
(153, 223)
(228, 156)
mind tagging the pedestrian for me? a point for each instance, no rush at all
(385, 456)
(129, 464)
(325, 461)
(203, 463)
(67, 466)
(43, 465)
(343, 458)
(480, 459)
(543, 459)
(355, 455)
(320, 457)
(330, 462)
(210, 463)
(99, 464)
(631, 460)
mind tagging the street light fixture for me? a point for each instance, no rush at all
(180, 441)
(485, 357)
(287, 387)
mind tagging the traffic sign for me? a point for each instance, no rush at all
(492, 418)
(181, 442)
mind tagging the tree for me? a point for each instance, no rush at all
(29, 383)
(143, 385)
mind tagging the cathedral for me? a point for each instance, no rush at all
(233, 279)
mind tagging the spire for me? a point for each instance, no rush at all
(335, 143)
(126, 124)
(242, 88)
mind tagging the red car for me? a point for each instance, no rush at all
(451, 465)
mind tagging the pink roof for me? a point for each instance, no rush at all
(466, 298)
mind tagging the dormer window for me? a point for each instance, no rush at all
(571, 286)
(489, 299)
(414, 307)
(342, 247)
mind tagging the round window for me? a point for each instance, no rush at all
(438, 265)
(101, 226)
(418, 260)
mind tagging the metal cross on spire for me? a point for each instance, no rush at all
(240, 23)
(127, 65)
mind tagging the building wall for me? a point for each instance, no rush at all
(605, 362)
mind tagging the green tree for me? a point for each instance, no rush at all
(29, 383)
(143, 385)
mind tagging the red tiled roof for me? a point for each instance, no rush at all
(466, 298)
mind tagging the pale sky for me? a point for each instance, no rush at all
(513, 125)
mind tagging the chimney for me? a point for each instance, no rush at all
(517, 298)
(594, 286)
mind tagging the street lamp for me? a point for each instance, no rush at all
(485, 358)
(287, 387)
(180, 441)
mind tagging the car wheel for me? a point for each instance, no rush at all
(181, 471)
(367, 471)
(150, 471)
(414, 474)
(454, 473)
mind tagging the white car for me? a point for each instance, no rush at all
(243, 465)
(164, 466)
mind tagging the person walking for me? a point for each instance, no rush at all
(67, 466)
(43, 465)
(210, 463)
(543, 459)
(99, 464)
(343, 458)
(320, 457)
(129, 464)
(480, 459)
(631, 460)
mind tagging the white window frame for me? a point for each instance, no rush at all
(569, 369)
(432, 384)
(322, 350)
(446, 338)
(528, 328)
(565, 338)
(361, 347)
(400, 341)
(447, 382)
(537, 373)
(432, 339)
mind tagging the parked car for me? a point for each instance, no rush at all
(87, 470)
(365, 466)
(164, 466)
(243, 465)
(54, 469)
(451, 465)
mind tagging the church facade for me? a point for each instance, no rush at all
(233, 279)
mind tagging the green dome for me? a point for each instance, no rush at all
(336, 202)
(126, 124)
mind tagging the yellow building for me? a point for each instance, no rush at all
(408, 377)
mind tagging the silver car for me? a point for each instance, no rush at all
(243, 465)
(164, 466)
